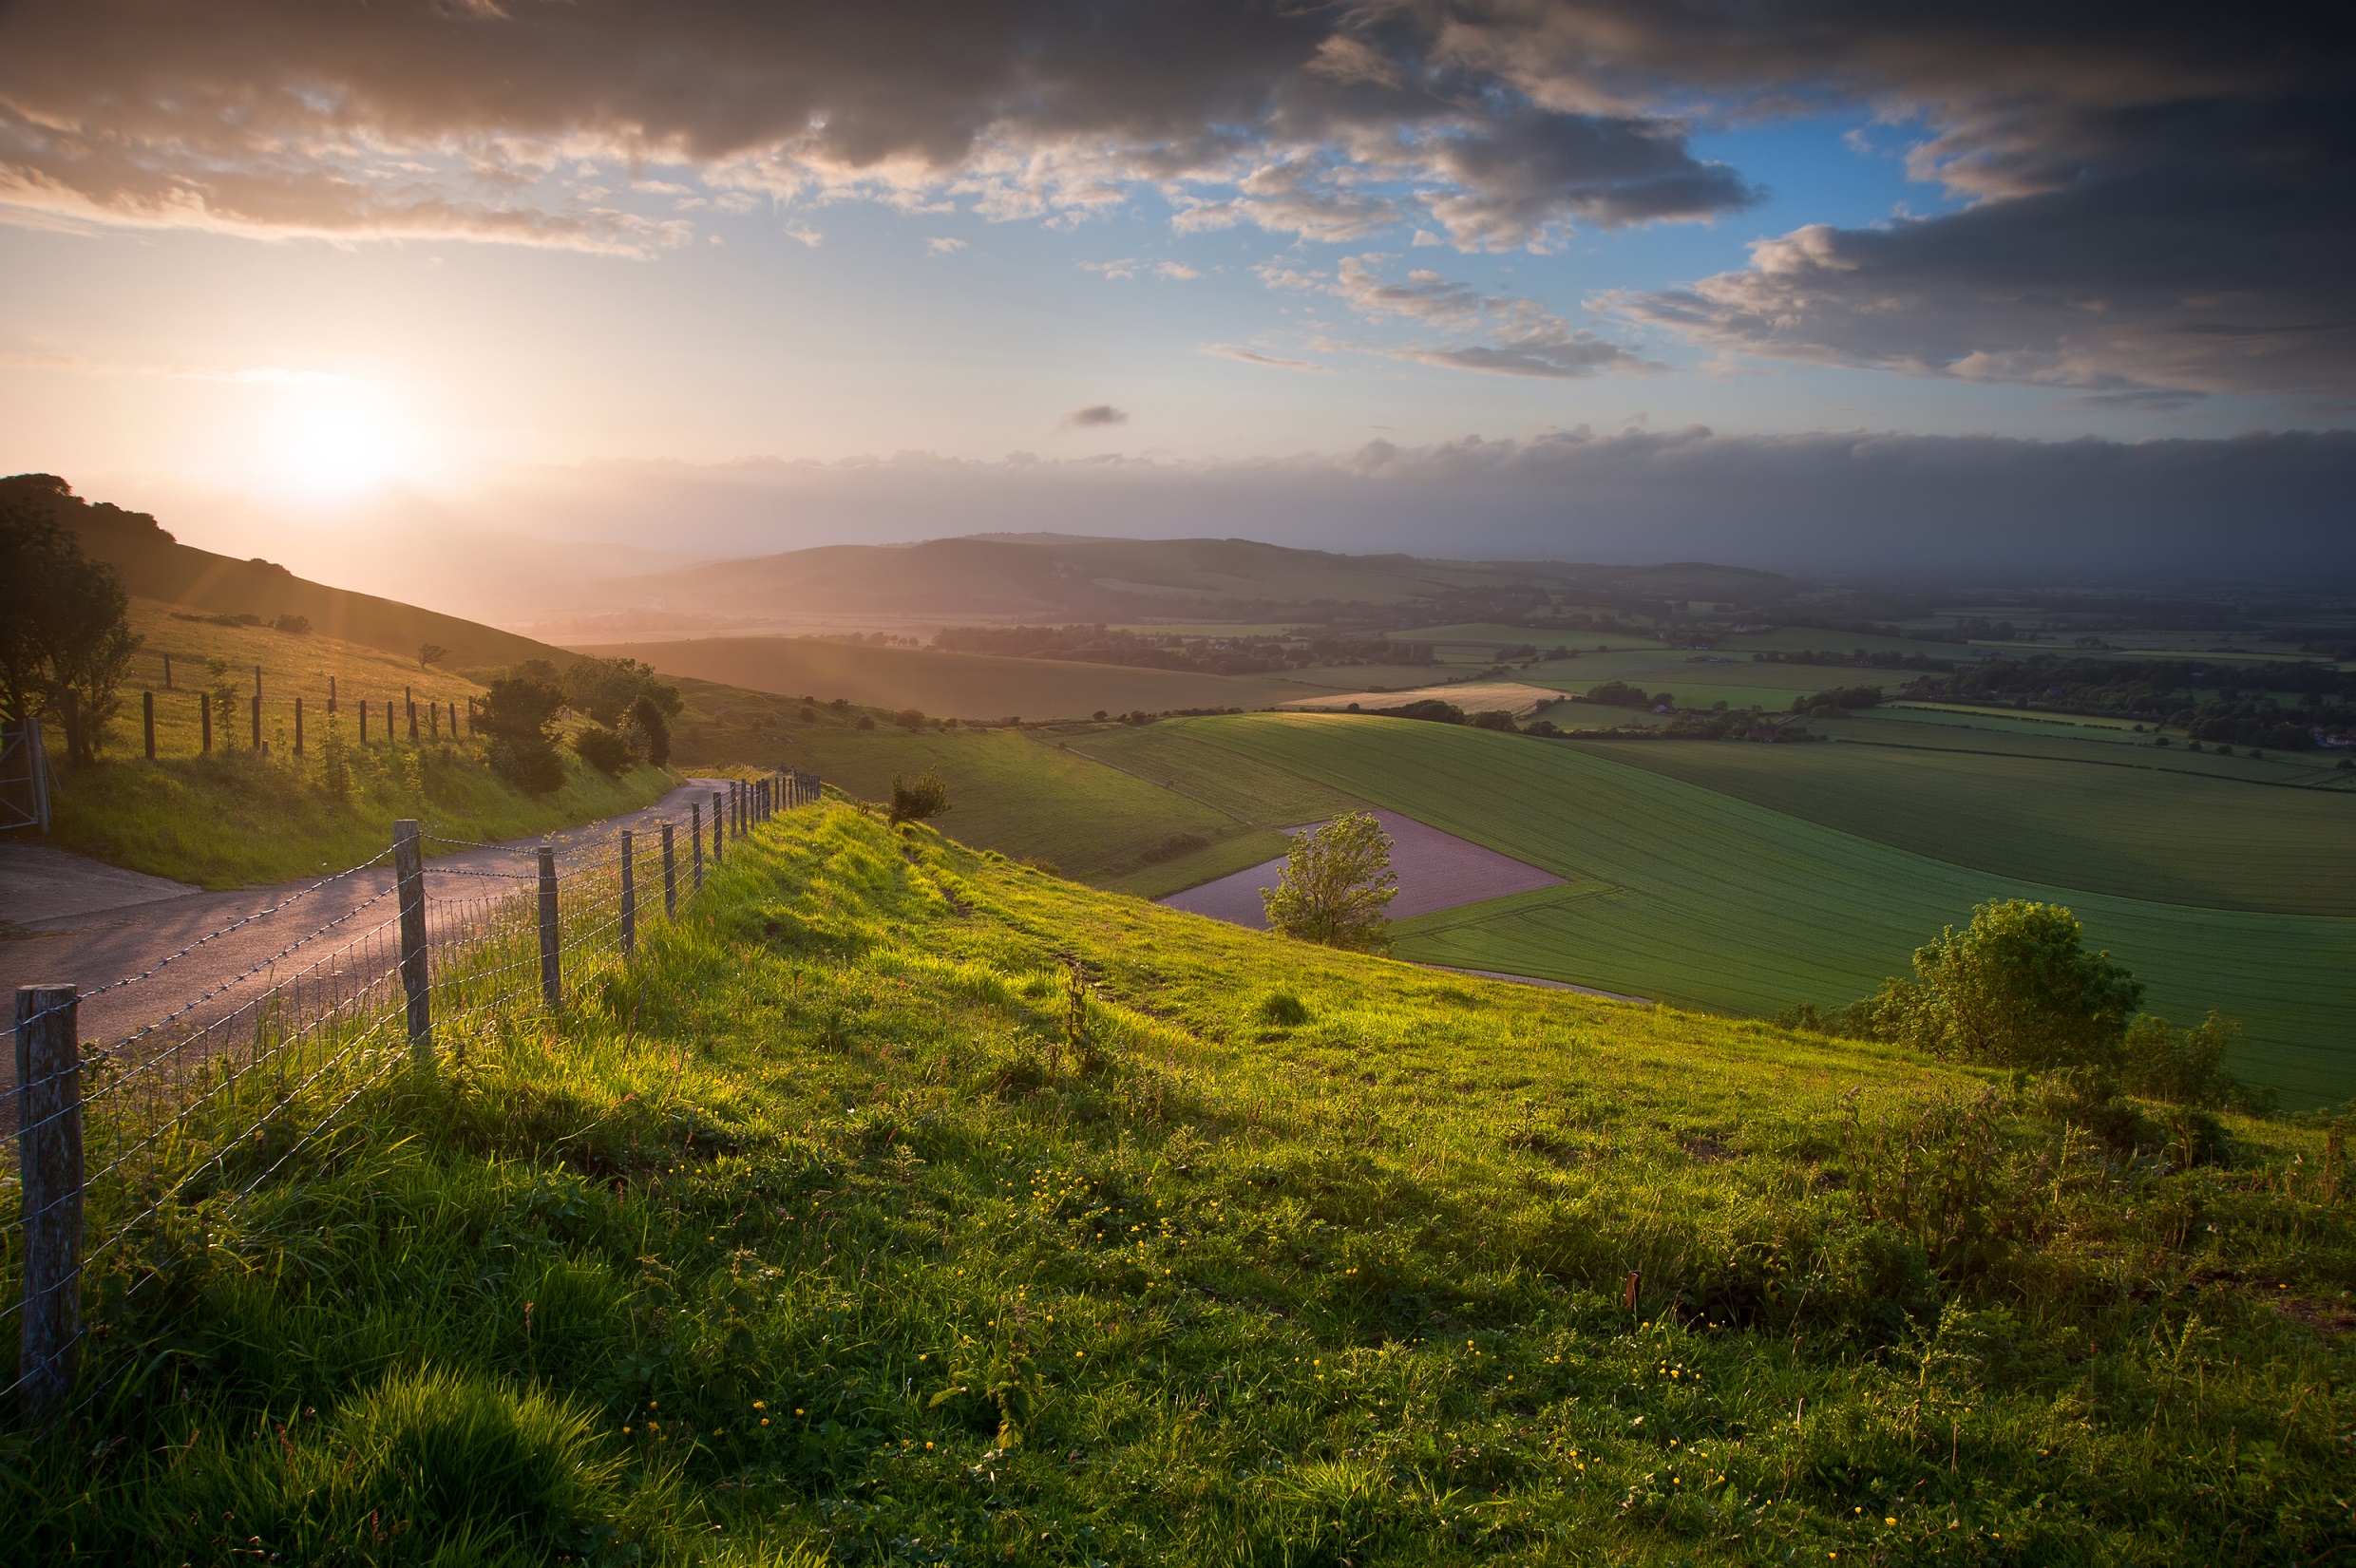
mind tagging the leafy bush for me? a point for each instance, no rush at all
(910, 719)
(2016, 988)
(518, 713)
(1493, 718)
(919, 801)
(296, 625)
(604, 749)
(1429, 709)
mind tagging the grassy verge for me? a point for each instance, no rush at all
(817, 1237)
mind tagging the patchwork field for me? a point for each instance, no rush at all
(2136, 833)
(1723, 903)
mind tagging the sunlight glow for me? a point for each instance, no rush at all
(336, 436)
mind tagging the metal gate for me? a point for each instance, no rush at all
(26, 779)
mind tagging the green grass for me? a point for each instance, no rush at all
(2136, 833)
(1016, 791)
(1726, 905)
(2050, 736)
(807, 1240)
(236, 820)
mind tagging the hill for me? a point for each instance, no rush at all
(1062, 577)
(155, 565)
(834, 1229)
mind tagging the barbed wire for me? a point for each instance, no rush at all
(341, 1013)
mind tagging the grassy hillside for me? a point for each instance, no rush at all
(812, 1240)
(238, 817)
(982, 685)
(1723, 903)
(2139, 834)
(156, 566)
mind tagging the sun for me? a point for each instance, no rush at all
(338, 436)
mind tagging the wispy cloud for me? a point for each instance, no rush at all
(1253, 356)
(943, 246)
(1095, 415)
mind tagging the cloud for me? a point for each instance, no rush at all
(481, 121)
(1523, 337)
(943, 247)
(1175, 272)
(1253, 356)
(1093, 416)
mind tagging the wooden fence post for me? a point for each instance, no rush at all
(433, 718)
(257, 717)
(409, 698)
(298, 726)
(204, 719)
(629, 897)
(363, 723)
(695, 841)
(147, 721)
(389, 731)
(48, 1143)
(167, 672)
(551, 976)
(331, 695)
(671, 876)
(409, 876)
(720, 824)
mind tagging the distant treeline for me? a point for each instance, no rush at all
(2245, 709)
(1224, 655)
(1857, 659)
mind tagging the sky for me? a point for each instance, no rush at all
(710, 277)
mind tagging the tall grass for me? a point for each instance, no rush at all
(830, 1228)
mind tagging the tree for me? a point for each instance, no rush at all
(430, 653)
(1338, 887)
(518, 712)
(626, 696)
(915, 803)
(2017, 988)
(61, 627)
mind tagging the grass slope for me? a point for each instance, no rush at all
(1723, 903)
(2127, 831)
(1016, 791)
(808, 1240)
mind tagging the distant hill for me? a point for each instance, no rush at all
(1072, 576)
(155, 565)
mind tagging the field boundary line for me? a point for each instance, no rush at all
(2093, 761)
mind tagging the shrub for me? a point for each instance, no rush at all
(518, 713)
(924, 799)
(910, 719)
(297, 625)
(604, 749)
(2017, 988)
(809, 715)
(1493, 718)
(2184, 1066)
(1176, 845)
(648, 728)
(1429, 709)
(1282, 1010)
(867, 720)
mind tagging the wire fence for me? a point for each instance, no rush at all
(212, 1095)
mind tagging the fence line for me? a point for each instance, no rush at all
(184, 1108)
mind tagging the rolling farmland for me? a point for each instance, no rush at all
(1724, 903)
(984, 686)
(2132, 832)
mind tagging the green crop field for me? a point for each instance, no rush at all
(2028, 735)
(1723, 903)
(985, 686)
(2131, 832)
(900, 1205)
